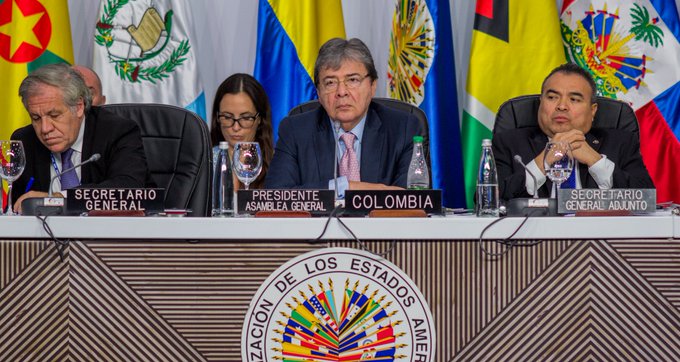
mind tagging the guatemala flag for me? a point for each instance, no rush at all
(289, 35)
(144, 52)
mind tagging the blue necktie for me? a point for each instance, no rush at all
(68, 179)
(570, 183)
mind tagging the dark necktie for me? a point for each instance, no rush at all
(570, 183)
(68, 179)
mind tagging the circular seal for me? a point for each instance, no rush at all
(32, 30)
(412, 44)
(338, 304)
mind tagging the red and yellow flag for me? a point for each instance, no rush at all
(32, 33)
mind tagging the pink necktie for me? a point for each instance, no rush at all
(349, 166)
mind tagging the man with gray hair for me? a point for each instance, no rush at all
(374, 142)
(65, 130)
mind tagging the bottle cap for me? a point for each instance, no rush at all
(224, 145)
(486, 142)
(417, 139)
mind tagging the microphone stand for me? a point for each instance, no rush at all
(50, 205)
(92, 158)
(336, 138)
(534, 206)
(518, 159)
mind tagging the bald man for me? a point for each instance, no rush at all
(93, 83)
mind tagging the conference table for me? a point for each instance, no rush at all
(177, 289)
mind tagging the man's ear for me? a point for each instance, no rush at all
(80, 108)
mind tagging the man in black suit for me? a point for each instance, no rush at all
(381, 138)
(606, 158)
(65, 130)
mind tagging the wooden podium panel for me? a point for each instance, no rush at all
(151, 300)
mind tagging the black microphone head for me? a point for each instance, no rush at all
(95, 157)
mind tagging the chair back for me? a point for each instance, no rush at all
(387, 102)
(522, 112)
(177, 146)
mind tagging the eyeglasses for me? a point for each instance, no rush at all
(351, 82)
(243, 122)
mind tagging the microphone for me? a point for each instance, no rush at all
(92, 158)
(530, 206)
(48, 206)
(336, 127)
(518, 159)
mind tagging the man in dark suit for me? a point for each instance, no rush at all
(65, 130)
(374, 142)
(606, 158)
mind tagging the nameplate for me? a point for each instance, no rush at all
(365, 201)
(570, 201)
(317, 202)
(81, 200)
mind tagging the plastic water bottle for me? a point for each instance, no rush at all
(418, 177)
(223, 183)
(487, 183)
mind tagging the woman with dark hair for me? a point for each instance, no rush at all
(241, 113)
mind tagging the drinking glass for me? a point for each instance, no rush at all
(12, 164)
(558, 162)
(247, 162)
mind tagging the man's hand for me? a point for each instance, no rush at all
(580, 148)
(17, 204)
(358, 185)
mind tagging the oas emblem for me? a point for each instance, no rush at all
(338, 304)
(139, 42)
(411, 51)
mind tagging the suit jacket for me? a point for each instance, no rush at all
(304, 154)
(621, 147)
(117, 140)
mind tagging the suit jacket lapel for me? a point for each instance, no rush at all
(537, 142)
(584, 176)
(43, 168)
(88, 138)
(323, 148)
(372, 148)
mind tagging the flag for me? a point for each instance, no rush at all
(32, 33)
(422, 72)
(144, 52)
(632, 50)
(514, 47)
(289, 35)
